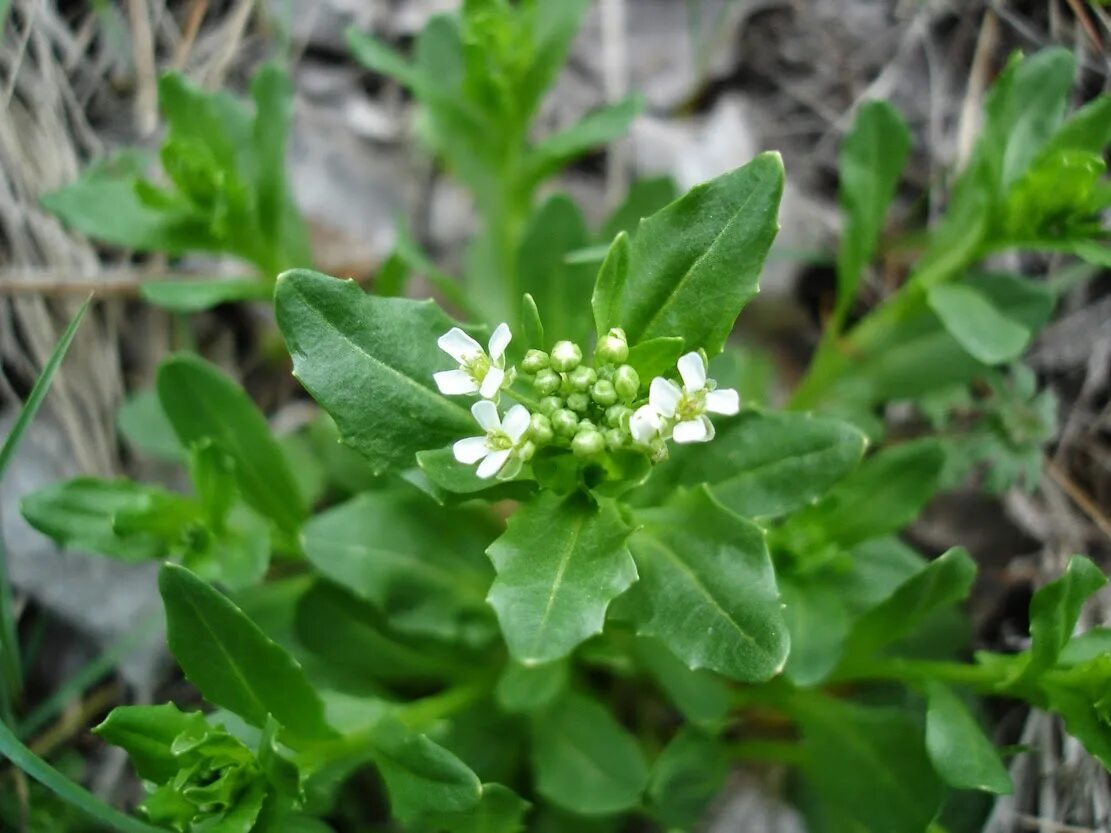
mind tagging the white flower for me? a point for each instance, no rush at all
(495, 449)
(478, 372)
(645, 424)
(686, 407)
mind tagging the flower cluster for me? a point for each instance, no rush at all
(588, 409)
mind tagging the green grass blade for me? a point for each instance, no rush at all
(78, 796)
(10, 666)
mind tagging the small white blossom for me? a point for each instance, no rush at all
(496, 448)
(685, 408)
(645, 424)
(479, 372)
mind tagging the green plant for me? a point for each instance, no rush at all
(558, 577)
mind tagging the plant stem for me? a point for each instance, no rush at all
(984, 678)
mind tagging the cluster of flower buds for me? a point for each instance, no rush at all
(586, 408)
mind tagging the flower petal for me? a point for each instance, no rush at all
(725, 401)
(492, 464)
(510, 469)
(471, 450)
(711, 432)
(491, 382)
(664, 396)
(459, 345)
(691, 431)
(516, 422)
(693, 371)
(485, 413)
(499, 340)
(455, 382)
(644, 424)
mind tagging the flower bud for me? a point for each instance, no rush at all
(615, 438)
(534, 361)
(565, 422)
(586, 425)
(588, 443)
(547, 382)
(550, 404)
(566, 356)
(540, 429)
(617, 416)
(578, 401)
(612, 348)
(626, 381)
(582, 377)
(603, 393)
(527, 451)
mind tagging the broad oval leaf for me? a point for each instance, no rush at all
(988, 334)
(1055, 610)
(689, 772)
(199, 294)
(960, 752)
(369, 362)
(560, 563)
(707, 589)
(231, 661)
(584, 760)
(696, 263)
(204, 404)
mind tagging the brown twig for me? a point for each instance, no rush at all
(193, 19)
(1079, 497)
(146, 97)
(1086, 23)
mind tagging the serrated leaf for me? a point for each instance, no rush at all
(709, 244)
(231, 661)
(389, 548)
(961, 754)
(1055, 610)
(701, 696)
(148, 733)
(769, 464)
(204, 404)
(358, 355)
(560, 563)
(584, 760)
(707, 589)
(982, 329)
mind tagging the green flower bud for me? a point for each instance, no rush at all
(540, 430)
(626, 381)
(578, 402)
(547, 382)
(565, 422)
(612, 348)
(566, 356)
(582, 377)
(586, 425)
(550, 404)
(588, 444)
(615, 438)
(603, 393)
(527, 451)
(534, 361)
(605, 371)
(617, 416)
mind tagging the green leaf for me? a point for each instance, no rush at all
(707, 589)
(198, 295)
(523, 689)
(610, 284)
(560, 289)
(710, 244)
(1088, 130)
(376, 55)
(84, 514)
(872, 158)
(204, 404)
(391, 549)
(982, 329)
(881, 496)
(644, 198)
(595, 130)
(870, 764)
(231, 661)
(1079, 695)
(421, 777)
(655, 357)
(447, 474)
(818, 621)
(531, 324)
(585, 761)
(148, 733)
(553, 27)
(701, 696)
(499, 811)
(143, 424)
(769, 464)
(358, 355)
(1055, 610)
(686, 777)
(961, 754)
(560, 563)
(945, 581)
